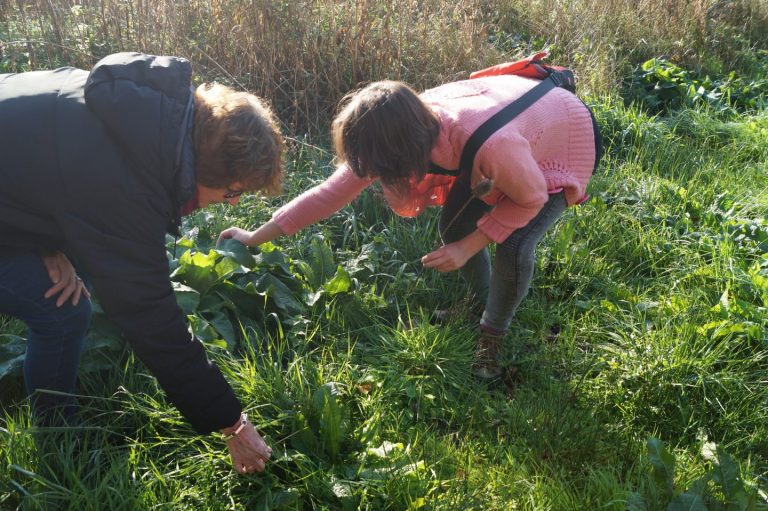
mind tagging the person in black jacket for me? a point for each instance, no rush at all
(95, 168)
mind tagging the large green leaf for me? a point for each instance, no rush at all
(321, 262)
(385, 450)
(331, 418)
(206, 333)
(663, 463)
(12, 348)
(227, 267)
(237, 251)
(726, 474)
(242, 301)
(687, 502)
(279, 294)
(272, 258)
(222, 324)
(197, 270)
(340, 283)
(303, 439)
(187, 298)
(102, 334)
(635, 502)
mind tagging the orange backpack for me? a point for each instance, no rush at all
(531, 67)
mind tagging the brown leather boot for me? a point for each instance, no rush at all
(486, 365)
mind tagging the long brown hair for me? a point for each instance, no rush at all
(384, 130)
(236, 140)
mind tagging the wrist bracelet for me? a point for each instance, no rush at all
(243, 422)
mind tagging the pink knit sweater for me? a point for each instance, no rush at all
(548, 148)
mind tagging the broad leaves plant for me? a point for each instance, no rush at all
(227, 293)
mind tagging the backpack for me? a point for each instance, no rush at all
(530, 67)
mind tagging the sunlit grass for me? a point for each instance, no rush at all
(647, 318)
(638, 325)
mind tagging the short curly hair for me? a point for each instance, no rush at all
(237, 139)
(384, 130)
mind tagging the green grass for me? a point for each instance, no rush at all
(647, 319)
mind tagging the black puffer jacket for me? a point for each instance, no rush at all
(90, 164)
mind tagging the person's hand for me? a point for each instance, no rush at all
(236, 233)
(454, 255)
(66, 283)
(247, 449)
(449, 257)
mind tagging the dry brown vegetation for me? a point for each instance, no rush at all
(304, 55)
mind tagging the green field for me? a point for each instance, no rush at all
(637, 368)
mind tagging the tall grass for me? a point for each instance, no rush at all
(305, 55)
(604, 39)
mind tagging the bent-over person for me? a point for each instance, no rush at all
(96, 167)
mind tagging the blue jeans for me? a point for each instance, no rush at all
(500, 288)
(55, 336)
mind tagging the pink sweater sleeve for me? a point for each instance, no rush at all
(508, 161)
(321, 201)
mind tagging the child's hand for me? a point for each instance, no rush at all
(236, 233)
(454, 255)
(449, 257)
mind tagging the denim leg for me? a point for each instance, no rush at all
(477, 270)
(513, 265)
(55, 334)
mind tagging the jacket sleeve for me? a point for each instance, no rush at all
(508, 161)
(130, 274)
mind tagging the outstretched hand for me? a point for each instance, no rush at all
(449, 257)
(66, 283)
(248, 450)
(454, 255)
(236, 233)
(263, 234)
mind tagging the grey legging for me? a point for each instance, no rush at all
(503, 287)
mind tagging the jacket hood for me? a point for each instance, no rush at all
(145, 102)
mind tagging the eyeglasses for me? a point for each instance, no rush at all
(232, 194)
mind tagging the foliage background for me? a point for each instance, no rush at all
(305, 55)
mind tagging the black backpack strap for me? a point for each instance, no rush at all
(557, 78)
(562, 77)
(502, 117)
(436, 169)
